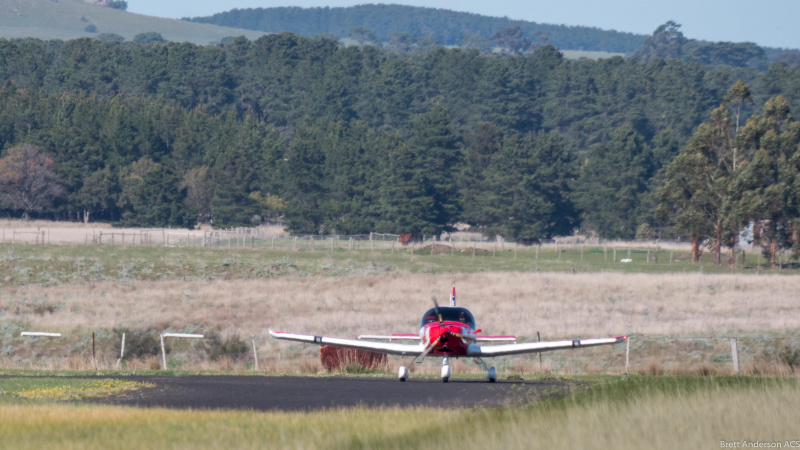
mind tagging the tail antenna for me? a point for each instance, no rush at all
(453, 297)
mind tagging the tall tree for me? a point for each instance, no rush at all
(151, 196)
(769, 183)
(419, 192)
(28, 180)
(614, 177)
(528, 194)
(698, 182)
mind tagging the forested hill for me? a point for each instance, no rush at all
(352, 139)
(446, 27)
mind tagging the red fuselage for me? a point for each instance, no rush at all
(451, 338)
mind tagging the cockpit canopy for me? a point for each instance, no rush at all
(449, 314)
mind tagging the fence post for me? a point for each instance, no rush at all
(121, 350)
(255, 355)
(735, 355)
(539, 336)
(627, 352)
(163, 353)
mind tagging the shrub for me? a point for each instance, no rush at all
(118, 4)
(139, 343)
(217, 347)
(110, 37)
(149, 38)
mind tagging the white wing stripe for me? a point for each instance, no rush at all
(390, 338)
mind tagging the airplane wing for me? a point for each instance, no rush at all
(536, 347)
(380, 347)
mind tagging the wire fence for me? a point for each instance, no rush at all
(641, 354)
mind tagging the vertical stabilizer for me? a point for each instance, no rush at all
(453, 297)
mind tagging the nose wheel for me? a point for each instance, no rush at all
(445, 369)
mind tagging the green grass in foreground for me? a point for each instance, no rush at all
(23, 264)
(635, 412)
(24, 389)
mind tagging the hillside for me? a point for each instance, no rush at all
(68, 19)
(447, 27)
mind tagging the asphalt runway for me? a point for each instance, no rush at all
(290, 393)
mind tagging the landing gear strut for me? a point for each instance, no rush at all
(491, 372)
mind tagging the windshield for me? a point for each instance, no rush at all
(449, 314)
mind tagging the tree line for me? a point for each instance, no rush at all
(356, 139)
(443, 27)
(402, 28)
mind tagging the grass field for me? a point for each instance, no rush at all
(680, 316)
(68, 19)
(628, 413)
(16, 390)
(679, 313)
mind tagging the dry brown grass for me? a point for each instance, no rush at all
(28, 231)
(555, 304)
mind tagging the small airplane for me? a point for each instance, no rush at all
(448, 332)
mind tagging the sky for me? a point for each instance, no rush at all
(770, 23)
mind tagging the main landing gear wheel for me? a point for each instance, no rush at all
(491, 372)
(402, 374)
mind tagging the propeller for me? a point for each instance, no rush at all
(445, 333)
(438, 314)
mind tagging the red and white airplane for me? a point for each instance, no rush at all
(448, 332)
